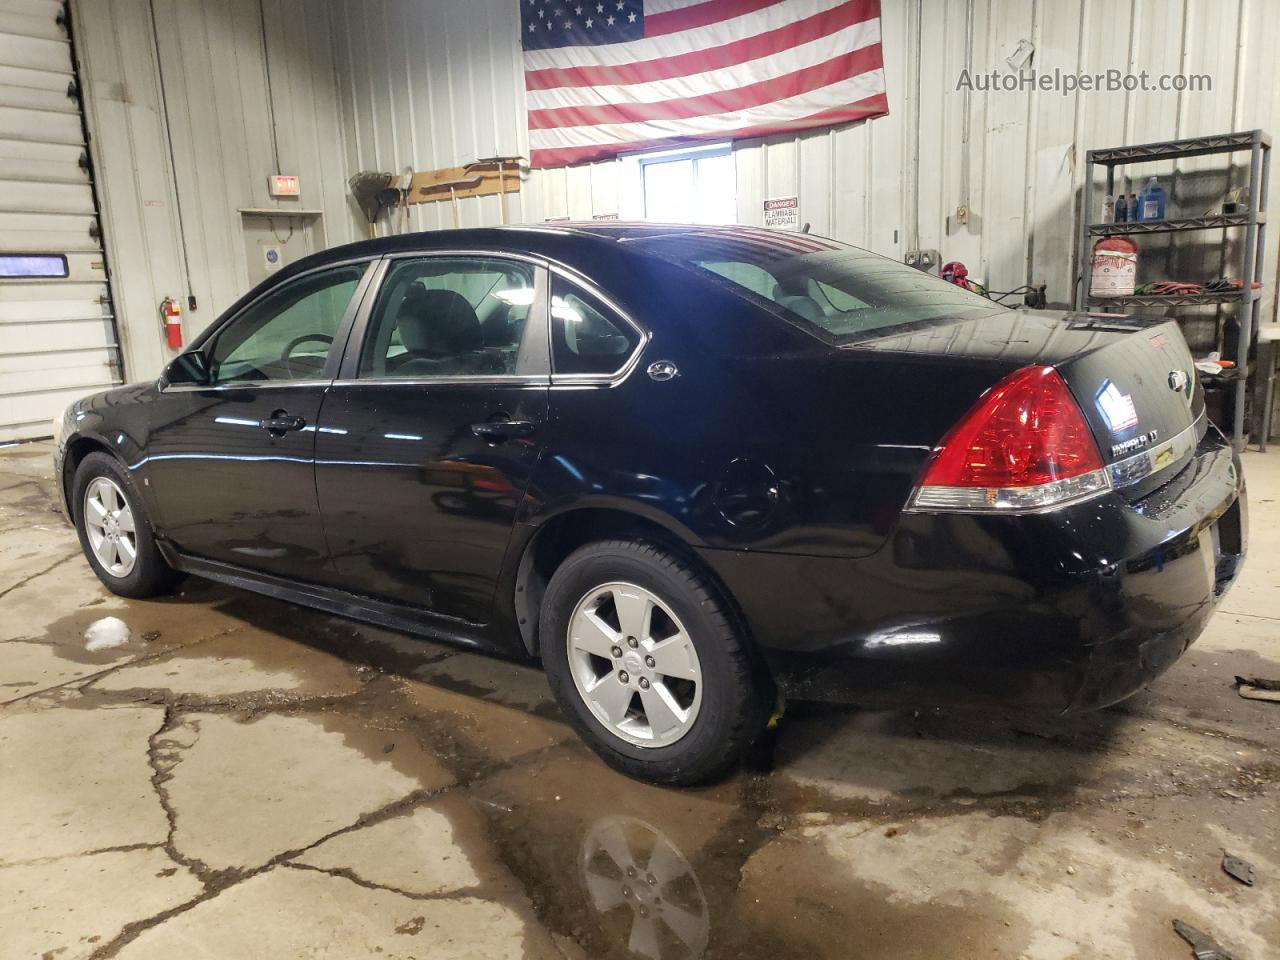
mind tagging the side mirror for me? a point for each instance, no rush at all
(191, 367)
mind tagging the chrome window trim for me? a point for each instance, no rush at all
(552, 267)
(482, 380)
(594, 379)
(348, 373)
(332, 365)
(463, 252)
(242, 385)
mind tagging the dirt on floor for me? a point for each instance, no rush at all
(222, 775)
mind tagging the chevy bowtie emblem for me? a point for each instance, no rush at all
(661, 370)
(1178, 380)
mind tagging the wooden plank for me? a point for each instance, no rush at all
(426, 186)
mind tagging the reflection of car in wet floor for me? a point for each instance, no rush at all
(632, 873)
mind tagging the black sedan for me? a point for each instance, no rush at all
(669, 463)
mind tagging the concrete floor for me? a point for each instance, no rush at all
(244, 778)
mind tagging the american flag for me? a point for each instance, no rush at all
(605, 77)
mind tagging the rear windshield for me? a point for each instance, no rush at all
(840, 294)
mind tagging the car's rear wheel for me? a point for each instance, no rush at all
(114, 531)
(645, 658)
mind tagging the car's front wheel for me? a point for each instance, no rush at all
(114, 532)
(645, 659)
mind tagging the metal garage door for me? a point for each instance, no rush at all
(57, 334)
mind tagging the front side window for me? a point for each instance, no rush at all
(449, 317)
(288, 334)
(587, 337)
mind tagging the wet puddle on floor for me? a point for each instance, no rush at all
(478, 788)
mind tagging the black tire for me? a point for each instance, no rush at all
(150, 575)
(737, 692)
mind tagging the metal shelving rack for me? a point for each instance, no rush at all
(1258, 144)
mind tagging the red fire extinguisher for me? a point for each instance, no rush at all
(171, 316)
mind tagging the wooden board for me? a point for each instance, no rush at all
(427, 187)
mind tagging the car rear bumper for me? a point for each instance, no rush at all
(1071, 609)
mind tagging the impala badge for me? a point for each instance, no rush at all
(1135, 443)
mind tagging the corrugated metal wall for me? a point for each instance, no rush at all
(431, 85)
(190, 115)
(392, 84)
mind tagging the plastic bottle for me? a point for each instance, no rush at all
(1109, 208)
(1153, 200)
(1135, 212)
(1122, 209)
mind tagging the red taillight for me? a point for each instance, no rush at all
(1025, 445)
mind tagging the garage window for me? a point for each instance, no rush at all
(19, 265)
(691, 186)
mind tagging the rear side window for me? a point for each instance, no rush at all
(587, 337)
(836, 292)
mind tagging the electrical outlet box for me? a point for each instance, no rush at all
(923, 259)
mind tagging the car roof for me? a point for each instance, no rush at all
(550, 240)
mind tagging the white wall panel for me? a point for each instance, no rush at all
(389, 85)
(243, 90)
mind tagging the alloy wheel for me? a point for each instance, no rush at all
(634, 664)
(109, 524)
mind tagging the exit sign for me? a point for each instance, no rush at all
(284, 186)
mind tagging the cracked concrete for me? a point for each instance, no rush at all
(247, 779)
(413, 853)
(81, 901)
(77, 780)
(259, 918)
(276, 783)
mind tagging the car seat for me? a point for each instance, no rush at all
(441, 335)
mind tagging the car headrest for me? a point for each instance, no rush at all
(804, 306)
(437, 323)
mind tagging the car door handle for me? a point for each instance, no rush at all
(498, 430)
(281, 423)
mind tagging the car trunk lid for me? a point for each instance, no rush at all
(1139, 394)
(1132, 377)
